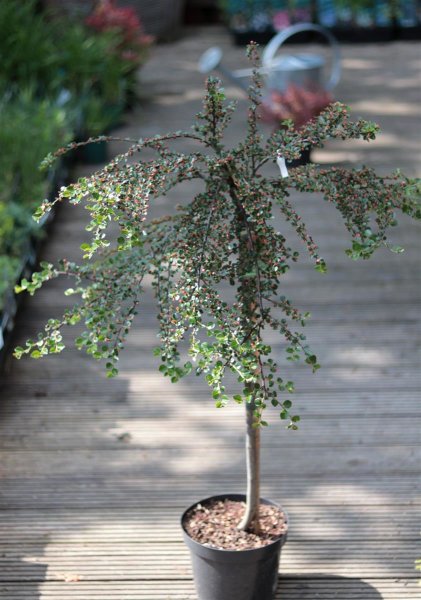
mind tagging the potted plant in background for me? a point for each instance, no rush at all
(29, 127)
(225, 235)
(261, 19)
(294, 108)
(133, 43)
(407, 19)
(60, 80)
(360, 20)
(98, 118)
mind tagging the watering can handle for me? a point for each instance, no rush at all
(277, 41)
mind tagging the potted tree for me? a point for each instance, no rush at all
(225, 235)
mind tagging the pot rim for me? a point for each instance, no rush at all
(247, 552)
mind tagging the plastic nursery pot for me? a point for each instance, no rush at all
(94, 154)
(305, 159)
(234, 574)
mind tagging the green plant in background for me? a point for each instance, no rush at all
(89, 62)
(9, 272)
(27, 49)
(356, 10)
(28, 129)
(356, 5)
(251, 7)
(51, 54)
(260, 14)
(46, 60)
(368, 12)
(16, 229)
(99, 118)
(225, 235)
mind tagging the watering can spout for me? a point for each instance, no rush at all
(211, 60)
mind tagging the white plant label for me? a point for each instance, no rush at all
(280, 161)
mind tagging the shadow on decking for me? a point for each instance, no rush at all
(13, 583)
(290, 588)
(310, 587)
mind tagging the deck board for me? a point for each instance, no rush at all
(293, 588)
(95, 473)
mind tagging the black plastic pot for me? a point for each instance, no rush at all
(363, 35)
(305, 159)
(242, 38)
(95, 153)
(409, 33)
(234, 574)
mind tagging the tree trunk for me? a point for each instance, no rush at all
(248, 292)
(251, 515)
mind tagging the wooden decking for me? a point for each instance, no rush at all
(95, 473)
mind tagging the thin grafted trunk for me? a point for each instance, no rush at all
(248, 293)
(251, 515)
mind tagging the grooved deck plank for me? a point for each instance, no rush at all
(291, 588)
(46, 493)
(69, 434)
(149, 525)
(380, 459)
(125, 561)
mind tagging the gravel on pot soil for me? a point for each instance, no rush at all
(215, 525)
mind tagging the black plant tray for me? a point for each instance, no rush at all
(347, 34)
(242, 38)
(409, 33)
(28, 265)
(363, 35)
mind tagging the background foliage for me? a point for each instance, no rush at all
(59, 80)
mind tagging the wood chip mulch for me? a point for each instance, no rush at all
(215, 525)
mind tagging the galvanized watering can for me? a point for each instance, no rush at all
(303, 70)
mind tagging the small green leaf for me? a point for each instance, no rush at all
(321, 267)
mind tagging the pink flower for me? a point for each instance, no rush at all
(109, 17)
(281, 20)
